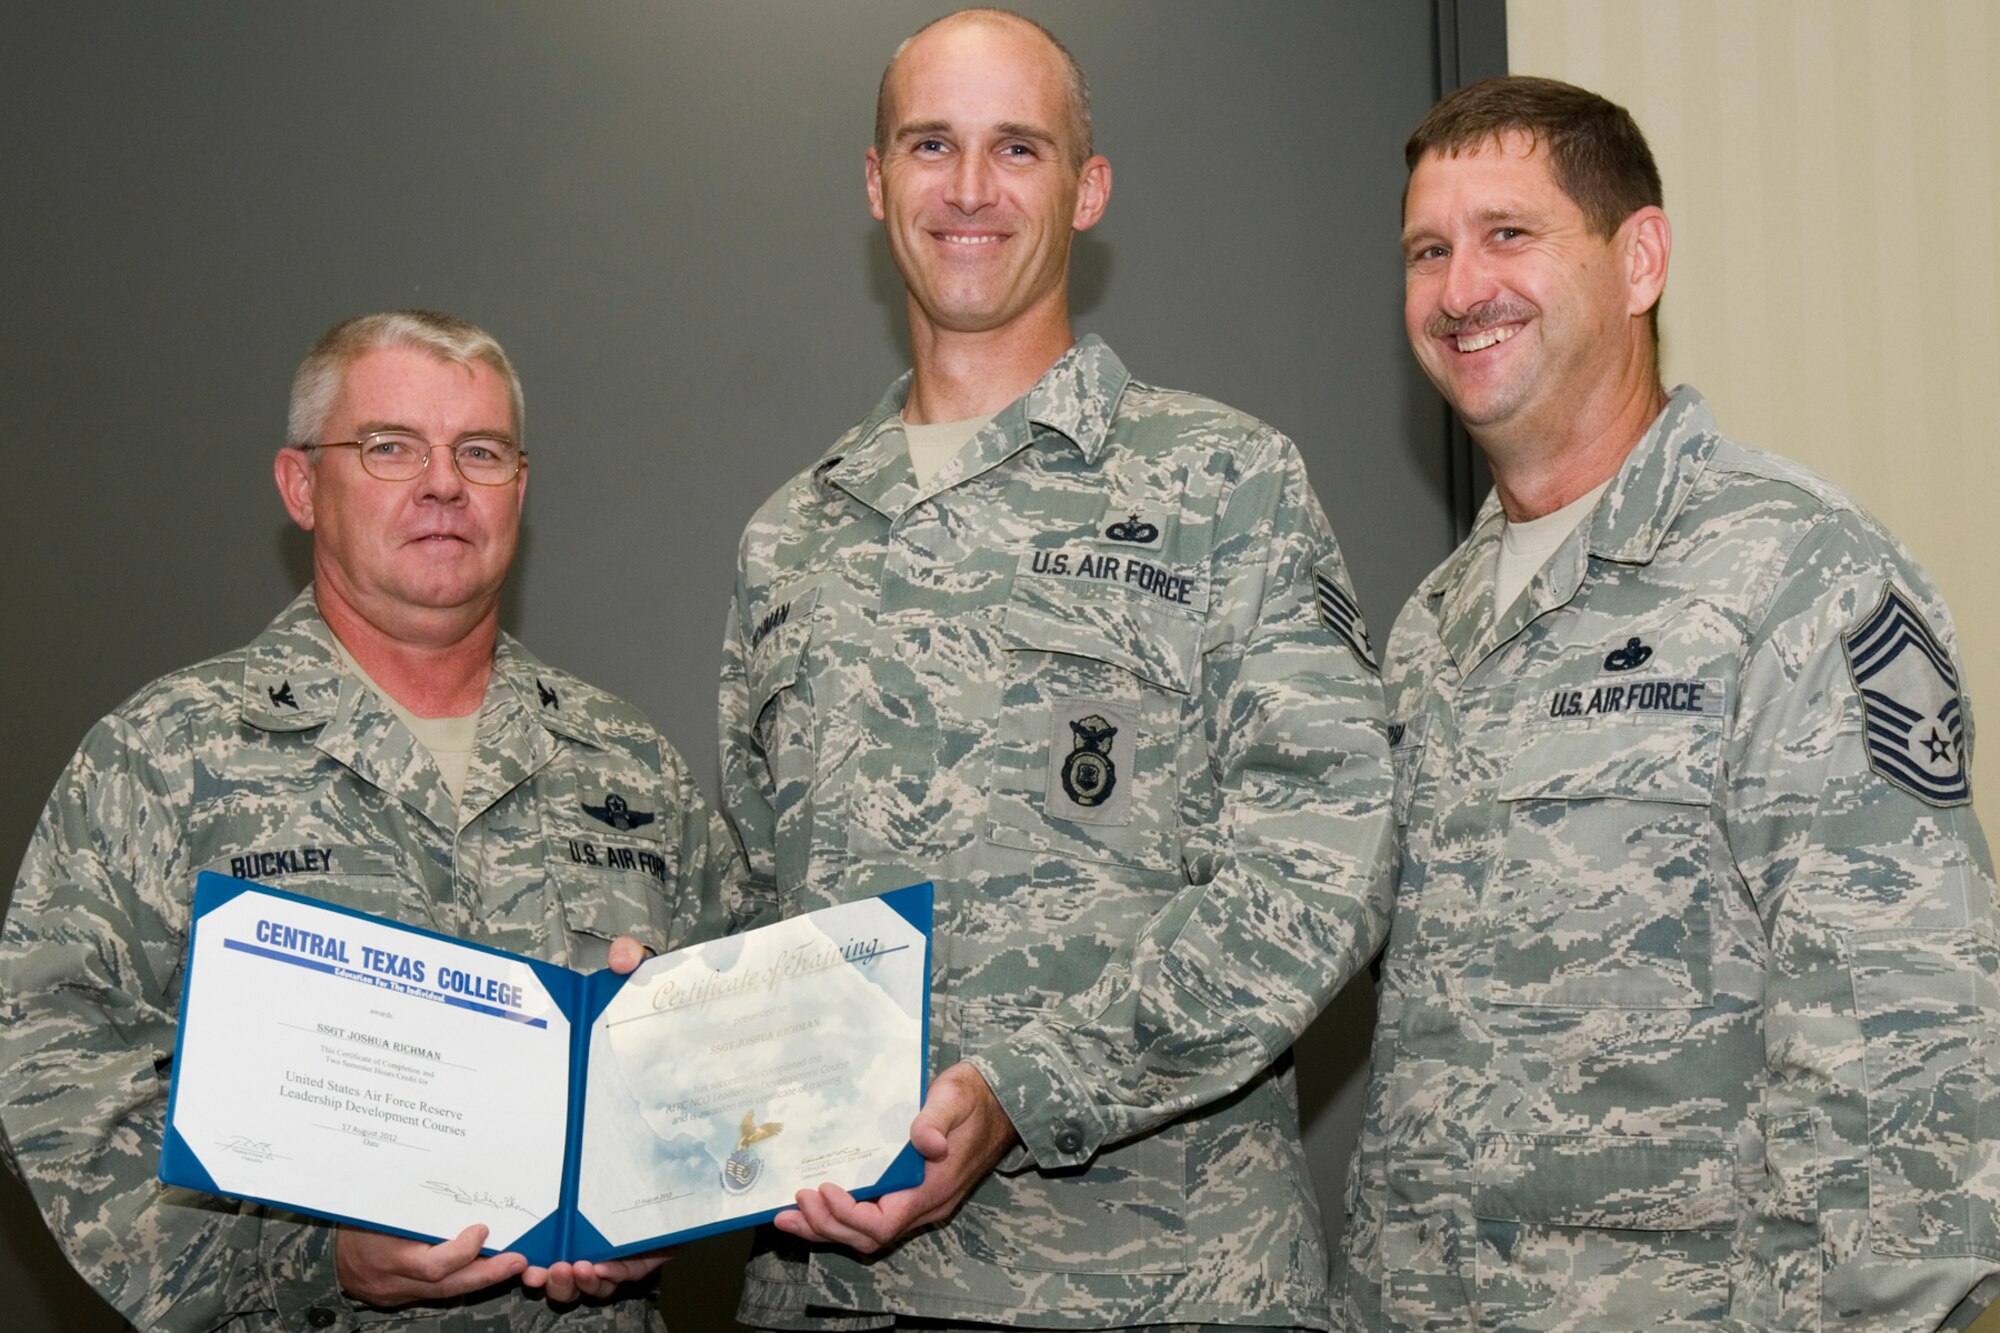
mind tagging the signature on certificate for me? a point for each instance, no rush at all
(251, 1150)
(476, 1198)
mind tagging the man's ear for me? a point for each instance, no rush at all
(872, 173)
(293, 470)
(1093, 193)
(1646, 242)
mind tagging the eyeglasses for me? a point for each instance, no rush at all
(393, 456)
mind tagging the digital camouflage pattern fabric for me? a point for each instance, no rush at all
(272, 764)
(1689, 1011)
(1082, 682)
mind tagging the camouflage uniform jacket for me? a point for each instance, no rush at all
(270, 763)
(1082, 682)
(1688, 1016)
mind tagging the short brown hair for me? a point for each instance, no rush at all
(1597, 155)
(1079, 147)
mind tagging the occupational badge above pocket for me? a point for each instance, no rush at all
(1141, 526)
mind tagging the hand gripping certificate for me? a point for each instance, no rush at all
(338, 1064)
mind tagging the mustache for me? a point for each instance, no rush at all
(1483, 316)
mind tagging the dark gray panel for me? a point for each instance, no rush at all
(1471, 44)
(658, 208)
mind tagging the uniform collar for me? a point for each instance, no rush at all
(1076, 399)
(1627, 525)
(291, 672)
(293, 680)
(1639, 507)
(549, 698)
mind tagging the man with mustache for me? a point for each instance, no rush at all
(382, 746)
(1689, 1014)
(1081, 651)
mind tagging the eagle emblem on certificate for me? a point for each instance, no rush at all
(742, 1168)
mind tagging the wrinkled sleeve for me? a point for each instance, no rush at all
(1289, 890)
(711, 894)
(748, 793)
(1881, 1117)
(93, 937)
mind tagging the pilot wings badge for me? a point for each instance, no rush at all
(743, 1167)
(618, 813)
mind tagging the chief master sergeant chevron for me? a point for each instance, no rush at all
(381, 745)
(1689, 1014)
(1082, 651)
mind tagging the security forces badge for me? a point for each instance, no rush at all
(1915, 718)
(1091, 745)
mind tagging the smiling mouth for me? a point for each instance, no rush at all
(1475, 342)
(954, 238)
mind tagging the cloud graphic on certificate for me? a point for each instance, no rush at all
(722, 1082)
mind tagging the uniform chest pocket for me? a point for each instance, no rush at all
(1600, 895)
(367, 879)
(779, 707)
(1408, 742)
(609, 884)
(596, 908)
(1093, 709)
(611, 859)
(782, 727)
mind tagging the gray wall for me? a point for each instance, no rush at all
(658, 208)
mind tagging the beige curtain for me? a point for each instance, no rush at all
(1830, 170)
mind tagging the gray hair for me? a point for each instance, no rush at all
(1077, 86)
(323, 373)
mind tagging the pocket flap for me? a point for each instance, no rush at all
(1155, 639)
(367, 879)
(1672, 761)
(607, 906)
(1597, 1180)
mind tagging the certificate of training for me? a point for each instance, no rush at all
(339, 1064)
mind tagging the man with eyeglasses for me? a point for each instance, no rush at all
(381, 745)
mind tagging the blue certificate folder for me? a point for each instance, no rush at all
(338, 1064)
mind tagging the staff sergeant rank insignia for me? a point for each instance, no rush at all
(1909, 701)
(617, 813)
(1338, 612)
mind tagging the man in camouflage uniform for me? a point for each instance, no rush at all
(1688, 1015)
(382, 746)
(1095, 670)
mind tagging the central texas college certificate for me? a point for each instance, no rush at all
(338, 1064)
